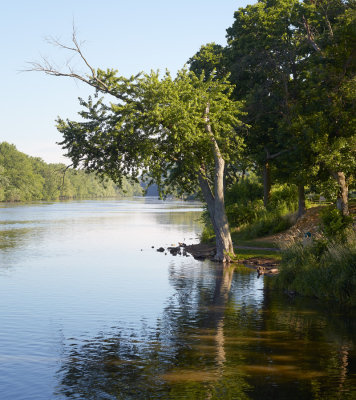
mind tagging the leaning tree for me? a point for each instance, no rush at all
(177, 132)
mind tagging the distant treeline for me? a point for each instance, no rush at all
(25, 178)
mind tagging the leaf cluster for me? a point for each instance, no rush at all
(156, 129)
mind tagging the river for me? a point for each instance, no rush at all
(90, 310)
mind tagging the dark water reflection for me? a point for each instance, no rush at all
(88, 310)
(216, 341)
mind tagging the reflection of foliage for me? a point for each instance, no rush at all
(180, 218)
(216, 340)
(172, 361)
(109, 368)
(13, 237)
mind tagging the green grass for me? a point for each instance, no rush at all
(253, 242)
(326, 270)
(244, 254)
(268, 224)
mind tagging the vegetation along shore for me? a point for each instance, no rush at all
(255, 129)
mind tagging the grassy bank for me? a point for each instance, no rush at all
(245, 254)
(322, 269)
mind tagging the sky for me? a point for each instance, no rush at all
(127, 35)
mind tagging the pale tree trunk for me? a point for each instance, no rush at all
(223, 237)
(342, 202)
(216, 209)
(266, 183)
(301, 201)
(215, 200)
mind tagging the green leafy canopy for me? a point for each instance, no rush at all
(156, 127)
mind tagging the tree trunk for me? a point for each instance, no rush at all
(266, 183)
(223, 237)
(342, 202)
(216, 209)
(215, 201)
(301, 201)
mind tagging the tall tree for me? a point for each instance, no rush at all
(327, 104)
(262, 53)
(178, 132)
(210, 59)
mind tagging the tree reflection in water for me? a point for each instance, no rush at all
(217, 339)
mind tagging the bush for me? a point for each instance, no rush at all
(267, 224)
(207, 234)
(239, 214)
(284, 199)
(244, 192)
(245, 209)
(325, 269)
(333, 223)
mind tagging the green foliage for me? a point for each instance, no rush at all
(209, 60)
(293, 63)
(246, 211)
(284, 199)
(157, 128)
(243, 204)
(323, 269)
(25, 178)
(207, 234)
(268, 223)
(243, 192)
(334, 223)
(239, 214)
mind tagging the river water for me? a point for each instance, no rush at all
(89, 310)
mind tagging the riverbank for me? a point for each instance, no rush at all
(263, 260)
(306, 260)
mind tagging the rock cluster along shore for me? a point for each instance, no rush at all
(202, 251)
(181, 250)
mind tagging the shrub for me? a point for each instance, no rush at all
(325, 269)
(244, 192)
(267, 224)
(245, 209)
(284, 199)
(333, 223)
(207, 234)
(239, 214)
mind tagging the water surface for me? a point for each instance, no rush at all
(89, 310)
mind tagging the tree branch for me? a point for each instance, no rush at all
(270, 156)
(310, 36)
(91, 79)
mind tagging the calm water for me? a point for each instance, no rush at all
(88, 310)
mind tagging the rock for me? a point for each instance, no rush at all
(161, 249)
(174, 250)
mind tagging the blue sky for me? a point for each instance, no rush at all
(130, 36)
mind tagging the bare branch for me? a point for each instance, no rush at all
(270, 156)
(91, 79)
